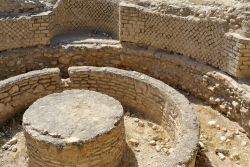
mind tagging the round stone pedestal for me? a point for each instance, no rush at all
(75, 128)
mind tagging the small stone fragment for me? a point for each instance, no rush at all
(228, 141)
(141, 124)
(237, 165)
(165, 150)
(201, 15)
(54, 135)
(14, 149)
(242, 130)
(45, 132)
(221, 156)
(230, 9)
(223, 108)
(137, 149)
(152, 143)
(157, 138)
(224, 129)
(232, 21)
(5, 147)
(235, 104)
(223, 151)
(136, 120)
(235, 157)
(154, 127)
(212, 124)
(134, 142)
(229, 135)
(201, 145)
(223, 138)
(218, 127)
(243, 143)
(127, 114)
(150, 124)
(158, 148)
(171, 150)
(12, 141)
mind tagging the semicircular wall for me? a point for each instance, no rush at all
(206, 40)
(138, 92)
(88, 15)
(215, 87)
(203, 42)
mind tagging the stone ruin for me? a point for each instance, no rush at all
(55, 56)
(86, 126)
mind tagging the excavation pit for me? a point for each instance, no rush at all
(76, 127)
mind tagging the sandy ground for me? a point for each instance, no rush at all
(141, 154)
(224, 136)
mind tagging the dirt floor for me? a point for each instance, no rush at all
(147, 144)
(223, 143)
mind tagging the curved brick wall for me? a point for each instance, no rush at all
(19, 92)
(205, 40)
(136, 91)
(180, 72)
(200, 39)
(87, 15)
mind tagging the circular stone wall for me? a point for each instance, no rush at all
(137, 92)
(76, 127)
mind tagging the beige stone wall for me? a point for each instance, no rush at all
(68, 16)
(238, 50)
(203, 40)
(206, 41)
(141, 93)
(24, 32)
(200, 39)
(104, 150)
(180, 72)
(130, 92)
(13, 7)
(18, 93)
(88, 15)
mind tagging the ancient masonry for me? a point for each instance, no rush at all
(136, 91)
(200, 55)
(66, 134)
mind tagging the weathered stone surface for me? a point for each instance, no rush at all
(19, 6)
(75, 113)
(88, 123)
(120, 84)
